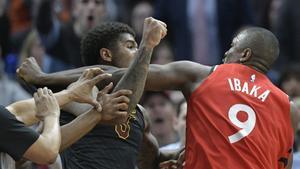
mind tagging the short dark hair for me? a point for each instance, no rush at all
(104, 35)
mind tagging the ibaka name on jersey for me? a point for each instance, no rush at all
(250, 89)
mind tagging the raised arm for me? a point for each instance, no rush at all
(135, 77)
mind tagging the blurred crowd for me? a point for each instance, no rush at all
(198, 30)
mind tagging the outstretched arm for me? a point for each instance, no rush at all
(26, 110)
(79, 91)
(31, 72)
(180, 75)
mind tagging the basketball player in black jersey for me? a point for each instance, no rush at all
(118, 146)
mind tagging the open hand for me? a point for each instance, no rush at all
(80, 91)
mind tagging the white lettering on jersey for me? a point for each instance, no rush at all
(246, 88)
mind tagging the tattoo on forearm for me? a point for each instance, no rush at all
(135, 77)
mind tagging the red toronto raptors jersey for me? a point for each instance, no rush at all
(237, 119)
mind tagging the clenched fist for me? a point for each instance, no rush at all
(29, 71)
(154, 31)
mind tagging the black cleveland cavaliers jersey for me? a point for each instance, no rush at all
(106, 147)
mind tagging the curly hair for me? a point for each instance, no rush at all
(104, 35)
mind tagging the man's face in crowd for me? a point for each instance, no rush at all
(89, 13)
(162, 114)
(181, 126)
(125, 50)
(291, 86)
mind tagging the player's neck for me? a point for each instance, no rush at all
(256, 67)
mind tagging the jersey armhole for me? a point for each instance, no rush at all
(213, 68)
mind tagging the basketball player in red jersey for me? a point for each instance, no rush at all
(237, 119)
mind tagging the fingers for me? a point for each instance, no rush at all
(171, 164)
(162, 23)
(39, 92)
(45, 91)
(84, 74)
(90, 73)
(121, 99)
(121, 106)
(100, 77)
(31, 59)
(93, 72)
(181, 158)
(105, 90)
(163, 32)
(50, 92)
(164, 29)
(122, 92)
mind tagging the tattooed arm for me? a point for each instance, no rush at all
(135, 77)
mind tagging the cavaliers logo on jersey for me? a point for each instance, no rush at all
(123, 130)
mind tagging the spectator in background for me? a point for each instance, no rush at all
(163, 53)
(63, 41)
(175, 16)
(289, 82)
(4, 28)
(261, 14)
(180, 128)
(140, 11)
(288, 32)
(32, 47)
(199, 26)
(11, 91)
(162, 113)
(20, 17)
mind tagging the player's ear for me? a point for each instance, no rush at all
(106, 54)
(247, 53)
